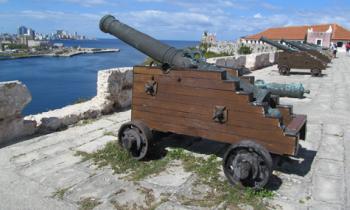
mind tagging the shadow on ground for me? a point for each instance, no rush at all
(300, 165)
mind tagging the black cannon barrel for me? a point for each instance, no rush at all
(277, 45)
(153, 48)
(320, 48)
(297, 45)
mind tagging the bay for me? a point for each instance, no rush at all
(56, 82)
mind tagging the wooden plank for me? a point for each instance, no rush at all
(205, 112)
(215, 75)
(273, 136)
(207, 94)
(287, 113)
(187, 81)
(180, 100)
(297, 123)
(232, 72)
(275, 148)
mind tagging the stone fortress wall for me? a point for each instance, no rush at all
(114, 91)
(233, 47)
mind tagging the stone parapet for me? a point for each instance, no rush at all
(114, 90)
(252, 61)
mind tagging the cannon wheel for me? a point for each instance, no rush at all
(316, 72)
(284, 70)
(135, 137)
(247, 164)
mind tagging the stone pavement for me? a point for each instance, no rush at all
(43, 173)
(319, 179)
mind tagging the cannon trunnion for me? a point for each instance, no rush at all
(188, 96)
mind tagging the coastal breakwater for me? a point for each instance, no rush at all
(64, 52)
(80, 51)
(114, 91)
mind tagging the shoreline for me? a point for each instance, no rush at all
(71, 53)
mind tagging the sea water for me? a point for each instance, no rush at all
(55, 82)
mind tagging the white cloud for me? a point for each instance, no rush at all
(186, 19)
(3, 1)
(257, 16)
(87, 3)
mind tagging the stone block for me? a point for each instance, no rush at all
(327, 189)
(14, 96)
(333, 129)
(330, 167)
(332, 147)
(16, 128)
(115, 85)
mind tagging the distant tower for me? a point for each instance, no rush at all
(31, 33)
(22, 30)
(209, 38)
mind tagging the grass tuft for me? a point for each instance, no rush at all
(88, 203)
(59, 193)
(121, 162)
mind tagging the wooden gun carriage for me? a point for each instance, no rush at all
(292, 58)
(210, 103)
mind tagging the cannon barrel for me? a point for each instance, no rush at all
(172, 57)
(277, 45)
(293, 90)
(313, 51)
(315, 46)
(297, 45)
(153, 48)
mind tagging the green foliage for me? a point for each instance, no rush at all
(17, 46)
(59, 193)
(214, 55)
(204, 47)
(121, 162)
(245, 50)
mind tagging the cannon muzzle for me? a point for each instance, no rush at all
(163, 53)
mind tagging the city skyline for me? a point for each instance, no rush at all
(163, 19)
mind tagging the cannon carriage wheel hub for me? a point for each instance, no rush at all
(247, 164)
(135, 136)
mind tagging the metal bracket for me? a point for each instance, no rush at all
(151, 87)
(220, 114)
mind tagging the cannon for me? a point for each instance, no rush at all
(293, 90)
(311, 50)
(293, 58)
(323, 50)
(187, 96)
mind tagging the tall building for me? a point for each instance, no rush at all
(31, 33)
(22, 30)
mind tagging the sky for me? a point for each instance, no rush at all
(171, 19)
